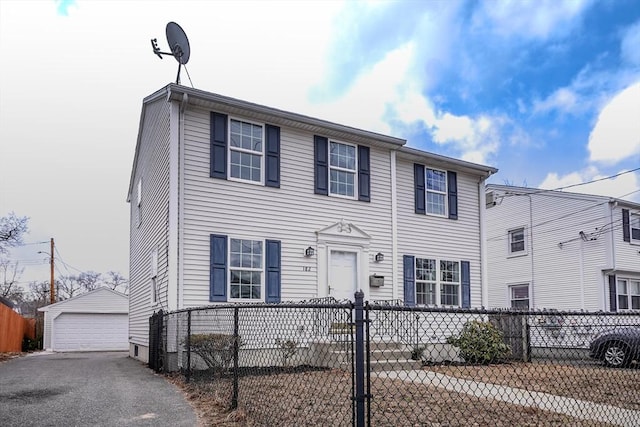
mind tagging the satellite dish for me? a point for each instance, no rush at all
(178, 43)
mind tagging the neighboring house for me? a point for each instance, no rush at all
(237, 202)
(95, 321)
(560, 250)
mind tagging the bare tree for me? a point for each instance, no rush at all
(12, 229)
(89, 280)
(10, 272)
(116, 281)
(68, 287)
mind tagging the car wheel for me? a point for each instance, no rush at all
(616, 355)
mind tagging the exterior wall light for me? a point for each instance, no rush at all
(309, 252)
(379, 257)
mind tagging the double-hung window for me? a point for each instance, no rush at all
(628, 294)
(517, 241)
(246, 150)
(436, 187)
(342, 169)
(437, 282)
(246, 269)
(519, 295)
(634, 223)
(426, 281)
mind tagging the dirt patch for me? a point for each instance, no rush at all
(324, 398)
(10, 355)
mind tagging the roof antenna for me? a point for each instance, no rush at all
(179, 45)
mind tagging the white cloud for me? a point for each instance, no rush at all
(563, 100)
(616, 134)
(623, 186)
(528, 19)
(630, 46)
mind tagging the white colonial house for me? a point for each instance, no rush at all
(561, 250)
(237, 202)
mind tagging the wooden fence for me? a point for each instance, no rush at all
(13, 329)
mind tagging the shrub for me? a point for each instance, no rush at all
(216, 350)
(480, 343)
(288, 349)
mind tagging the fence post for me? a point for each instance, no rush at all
(359, 386)
(188, 342)
(236, 346)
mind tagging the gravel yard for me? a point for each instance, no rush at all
(324, 398)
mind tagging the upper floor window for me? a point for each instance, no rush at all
(436, 187)
(245, 150)
(435, 191)
(342, 169)
(245, 269)
(437, 283)
(634, 224)
(516, 242)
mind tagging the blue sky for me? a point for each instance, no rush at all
(546, 91)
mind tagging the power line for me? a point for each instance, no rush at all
(582, 183)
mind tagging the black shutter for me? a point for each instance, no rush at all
(218, 268)
(409, 280)
(626, 229)
(364, 176)
(418, 177)
(465, 280)
(321, 162)
(452, 194)
(272, 267)
(272, 158)
(613, 303)
(218, 146)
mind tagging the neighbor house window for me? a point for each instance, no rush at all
(139, 204)
(245, 269)
(519, 295)
(634, 223)
(436, 187)
(516, 241)
(437, 282)
(628, 294)
(342, 169)
(245, 150)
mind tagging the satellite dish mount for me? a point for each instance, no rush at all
(179, 45)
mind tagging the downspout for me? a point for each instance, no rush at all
(484, 285)
(394, 228)
(582, 273)
(532, 285)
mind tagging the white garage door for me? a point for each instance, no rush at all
(87, 331)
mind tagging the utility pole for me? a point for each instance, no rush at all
(52, 291)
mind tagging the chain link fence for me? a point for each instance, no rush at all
(325, 362)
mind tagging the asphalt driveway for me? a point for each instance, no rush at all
(88, 389)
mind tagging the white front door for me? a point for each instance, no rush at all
(343, 276)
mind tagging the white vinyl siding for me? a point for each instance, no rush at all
(435, 237)
(153, 170)
(291, 213)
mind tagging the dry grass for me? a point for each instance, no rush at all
(324, 397)
(10, 355)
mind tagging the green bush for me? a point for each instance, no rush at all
(480, 343)
(216, 350)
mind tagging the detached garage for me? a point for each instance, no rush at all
(95, 321)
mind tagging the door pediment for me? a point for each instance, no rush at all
(342, 231)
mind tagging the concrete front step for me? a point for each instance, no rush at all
(382, 355)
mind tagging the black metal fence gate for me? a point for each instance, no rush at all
(156, 329)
